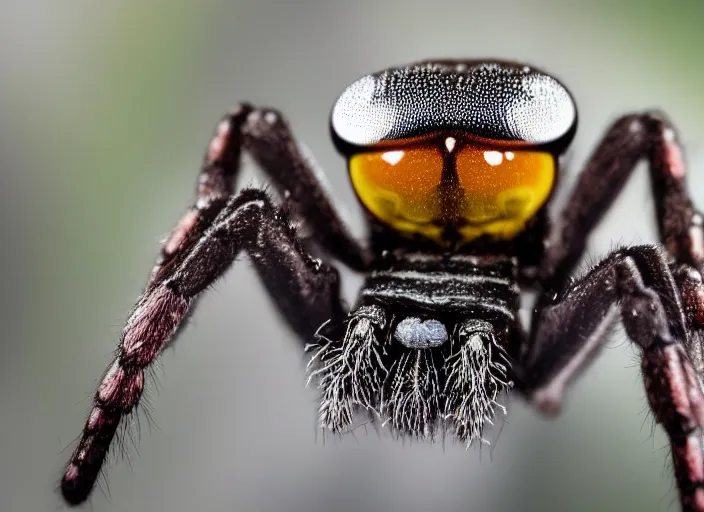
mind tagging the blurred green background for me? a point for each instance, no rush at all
(105, 112)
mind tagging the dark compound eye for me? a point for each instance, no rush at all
(498, 101)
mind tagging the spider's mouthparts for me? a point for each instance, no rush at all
(428, 381)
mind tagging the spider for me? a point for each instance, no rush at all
(455, 163)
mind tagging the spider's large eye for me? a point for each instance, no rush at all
(400, 186)
(501, 189)
(478, 190)
(454, 150)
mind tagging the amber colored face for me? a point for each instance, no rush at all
(428, 187)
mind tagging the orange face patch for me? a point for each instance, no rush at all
(478, 190)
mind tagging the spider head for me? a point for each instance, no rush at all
(460, 147)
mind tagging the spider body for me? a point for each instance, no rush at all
(455, 163)
(425, 349)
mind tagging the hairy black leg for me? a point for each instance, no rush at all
(264, 134)
(288, 272)
(630, 139)
(681, 228)
(216, 182)
(569, 330)
(155, 317)
(305, 289)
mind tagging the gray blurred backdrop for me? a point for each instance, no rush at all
(105, 110)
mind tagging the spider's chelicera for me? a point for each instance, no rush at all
(455, 163)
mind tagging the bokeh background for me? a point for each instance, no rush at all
(105, 110)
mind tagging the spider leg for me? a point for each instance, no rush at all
(202, 246)
(305, 289)
(630, 139)
(681, 226)
(264, 134)
(568, 331)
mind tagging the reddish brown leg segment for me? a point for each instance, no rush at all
(672, 370)
(201, 247)
(674, 393)
(674, 390)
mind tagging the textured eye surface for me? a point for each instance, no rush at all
(493, 100)
(504, 186)
(400, 186)
(478, 190)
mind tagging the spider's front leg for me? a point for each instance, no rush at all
(264, 134)
(200, 249)
(661, 296)
(569, 330)
(630, 139)
(305, 289)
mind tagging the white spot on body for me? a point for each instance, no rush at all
(493, 157)
(450, 143)
(414, 333)
(393, 157)
(635, 126)
(270, 117)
